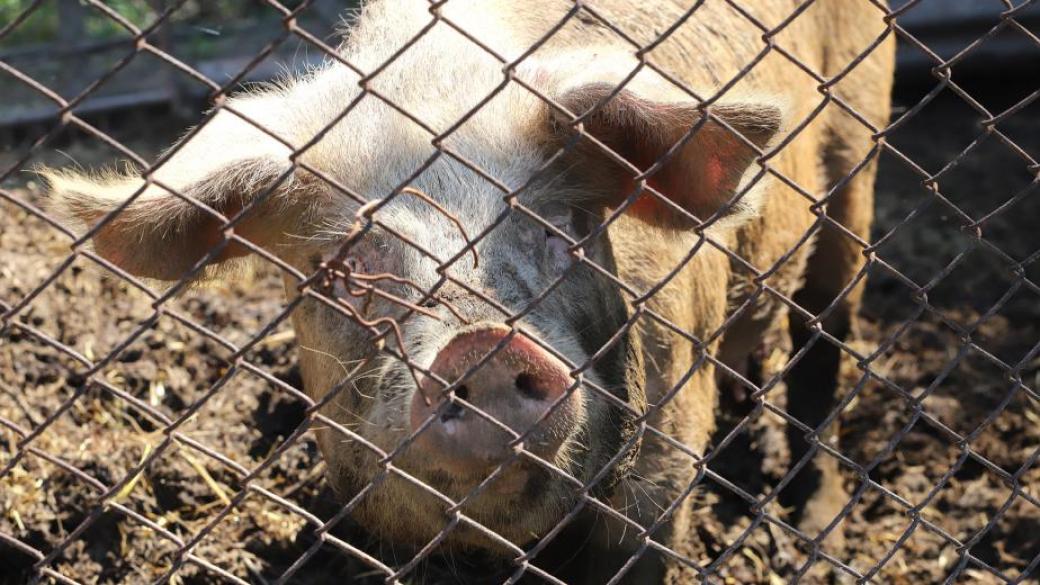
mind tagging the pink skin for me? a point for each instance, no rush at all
(517, 386)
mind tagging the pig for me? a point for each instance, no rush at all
(526, 244)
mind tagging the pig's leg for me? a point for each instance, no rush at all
(834, 284)
(833, 292)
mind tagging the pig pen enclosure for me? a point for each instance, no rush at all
(148, 437)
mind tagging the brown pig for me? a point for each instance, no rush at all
(546, 229)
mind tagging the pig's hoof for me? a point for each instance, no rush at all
(820, 512)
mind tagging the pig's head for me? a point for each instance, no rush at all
(471, 321)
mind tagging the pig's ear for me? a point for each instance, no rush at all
(699, 171)
(174, 221)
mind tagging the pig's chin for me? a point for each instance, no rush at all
(521, 502)
(520, 499)
(517, 480)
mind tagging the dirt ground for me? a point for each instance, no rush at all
(961, 471)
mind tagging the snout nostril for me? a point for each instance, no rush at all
(525, 383)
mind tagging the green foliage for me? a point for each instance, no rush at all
(44, 23)
(41, 26)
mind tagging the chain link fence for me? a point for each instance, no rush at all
(454, 357)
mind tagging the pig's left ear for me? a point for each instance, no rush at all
(163, 229)
(699, 171)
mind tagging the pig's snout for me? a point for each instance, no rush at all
(517, 385)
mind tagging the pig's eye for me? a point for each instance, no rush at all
(555, 242)
(355, 264)
(557, 245)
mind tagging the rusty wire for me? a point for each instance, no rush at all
(386, 333)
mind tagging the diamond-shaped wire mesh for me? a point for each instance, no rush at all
(551, 291)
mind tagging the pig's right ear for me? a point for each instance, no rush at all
(697, 157)
(173, 222)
